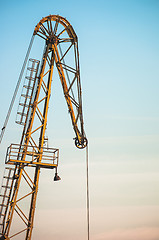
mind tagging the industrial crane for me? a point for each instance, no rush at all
(60, 50)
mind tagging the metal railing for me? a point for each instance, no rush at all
(32, 156)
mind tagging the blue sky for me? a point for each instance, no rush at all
(119, 59)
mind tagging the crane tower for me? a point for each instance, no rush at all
(24, 160)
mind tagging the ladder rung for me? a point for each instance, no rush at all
(32, 69)
(28, 87)
(22, 114)
(23, 104)
(7, 177)
(30, 78)
(2, 205)
(26, 96)
(5, 196)
(22, 123)
(6, 186)
(9, 168)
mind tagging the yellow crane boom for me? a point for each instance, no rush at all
(60, 50)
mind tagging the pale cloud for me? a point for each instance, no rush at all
(133, 118)
(138, 139)
(123, 217)
(111, 223)
(145, 233)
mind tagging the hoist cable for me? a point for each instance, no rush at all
(16, 89)
(88, 214)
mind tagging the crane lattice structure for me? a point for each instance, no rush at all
(60, 50)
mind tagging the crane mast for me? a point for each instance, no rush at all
(60, 50)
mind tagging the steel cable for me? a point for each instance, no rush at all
(88, 210)
(16, 89)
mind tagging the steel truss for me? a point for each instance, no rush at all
(61, 49)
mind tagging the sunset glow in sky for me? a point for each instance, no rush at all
(119, 61)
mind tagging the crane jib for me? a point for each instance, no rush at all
(60, 51)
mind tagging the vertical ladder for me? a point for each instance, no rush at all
(27, 91)
(5, 193)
